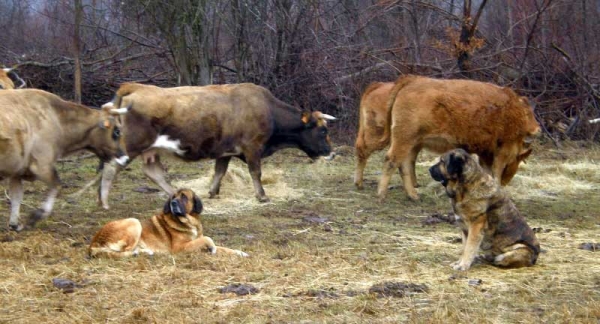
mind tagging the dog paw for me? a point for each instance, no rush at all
(241, 253)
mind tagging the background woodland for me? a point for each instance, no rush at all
(317, 54)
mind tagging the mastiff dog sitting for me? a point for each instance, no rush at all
(489, 220)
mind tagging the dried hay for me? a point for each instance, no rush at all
(237, 189)
(303, 271)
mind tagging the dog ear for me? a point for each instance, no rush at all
(167, 207)
(455, 164)
(197, 205)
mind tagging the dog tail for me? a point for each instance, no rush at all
(401, 82)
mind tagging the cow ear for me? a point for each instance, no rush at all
(197, 205)
(104, 124)
(455, 164)
(306, 117)
(524, 154)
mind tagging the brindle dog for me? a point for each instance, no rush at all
(488, 218)
(176, 229)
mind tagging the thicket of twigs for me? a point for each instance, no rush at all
(317, 54)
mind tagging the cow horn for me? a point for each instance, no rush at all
(6, 70)
(23, 83)
(327, 117)
(528, 140)
(119, 111)
(107, 105)
(595, 120)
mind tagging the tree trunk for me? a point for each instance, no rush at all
(77, 50)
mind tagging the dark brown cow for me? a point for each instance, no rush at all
(439, 115)
(37, 128)
(5, 80)
(213, 122)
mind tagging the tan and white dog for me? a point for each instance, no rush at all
(176, 229)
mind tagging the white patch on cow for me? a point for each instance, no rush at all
(49, 203)
(122, 160)
(163, 142)
(236, 151)
(194, 233)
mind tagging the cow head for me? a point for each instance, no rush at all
(314, 137)
(6, 79)
(107, 141)
(522, 152)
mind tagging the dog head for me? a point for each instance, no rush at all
(454, 165)
(184, 202)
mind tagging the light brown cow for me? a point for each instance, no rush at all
(37, 128)
(373, 116)
(439, 115)
(213, 122)
(6, 82)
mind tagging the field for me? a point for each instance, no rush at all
(320, 251)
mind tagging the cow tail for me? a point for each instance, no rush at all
(370, 88)
(401, 82)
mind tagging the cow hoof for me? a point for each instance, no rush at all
(16, 228)
(35, 217)
(359, 186)
(263, 199)
(414, 197)
(212, 195)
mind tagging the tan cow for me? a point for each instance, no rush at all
(373, 116)
(439, 115)
(6, 82)
(37, 128)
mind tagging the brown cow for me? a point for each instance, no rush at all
(6, 82)
(372, 120)
(439, 115)
(37, 128)
(373, 116)
(212, 122)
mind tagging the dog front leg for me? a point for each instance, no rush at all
(473, 242)
(221, 249)
(201, 243)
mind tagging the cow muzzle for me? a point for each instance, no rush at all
(122, 160)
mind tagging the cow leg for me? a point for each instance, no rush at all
(154, 170)
(394, 159)
(109, 172)
(221, 165)
(499, 165)
(50, 177)
(362, 155)
(413, 161)
(253, 161)
(15, 191)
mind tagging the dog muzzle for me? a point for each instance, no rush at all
(176, 209)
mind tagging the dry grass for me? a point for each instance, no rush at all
(316, 249)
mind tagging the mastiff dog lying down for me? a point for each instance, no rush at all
(488, 218)
(175, 229)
